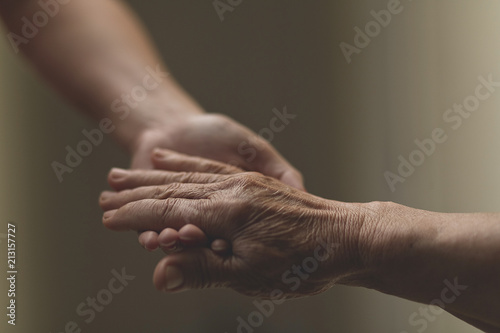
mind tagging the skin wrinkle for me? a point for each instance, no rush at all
(272, 211)
(399, 242)
(107, 58)
(268, 238)
(272, 229)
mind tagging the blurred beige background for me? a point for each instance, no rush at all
(353, 122)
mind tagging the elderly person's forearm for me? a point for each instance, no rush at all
(285, 239)
(447, 260)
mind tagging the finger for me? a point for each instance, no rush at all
(270, 163)
(156, 215)
(121, 179)
(293, 178)
(171, 240)
(149, 240)
(114, 200)
(168, 240)
(221, 247)
(193, 269)
(190, 235)
(169, 160)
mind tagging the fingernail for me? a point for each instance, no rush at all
(169, 245)
(187, 238)
(106, 195)
(220, 246)
(174, 278)
(117, 173)
(147, 242)
(109, 214)
(159, 154)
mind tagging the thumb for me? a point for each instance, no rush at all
(270, 163)
(196, 268)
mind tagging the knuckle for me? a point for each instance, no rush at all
(163, 210)
(165, 177)
(185, 177)
(128, 208)
(249, 179)
(158, 192)
(167, 191)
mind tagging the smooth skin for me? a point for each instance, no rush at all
(271, 227)
(93, 51)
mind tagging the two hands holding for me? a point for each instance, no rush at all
(258, 231)
(219, 225)
(251, 228)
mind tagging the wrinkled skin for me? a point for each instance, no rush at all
(268, 228)
(212, 136)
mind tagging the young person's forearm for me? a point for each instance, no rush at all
(449, 260)
(94, 52)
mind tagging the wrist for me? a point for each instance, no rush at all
(391, 241)
(346, 228)
(369, 238)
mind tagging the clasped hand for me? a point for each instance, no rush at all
(222, 227)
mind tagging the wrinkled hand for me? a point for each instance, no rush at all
(280, 238)
(216, 137)
(169, 240)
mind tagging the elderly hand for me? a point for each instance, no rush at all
(282, 240)
(170, 240)
(212, 136)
